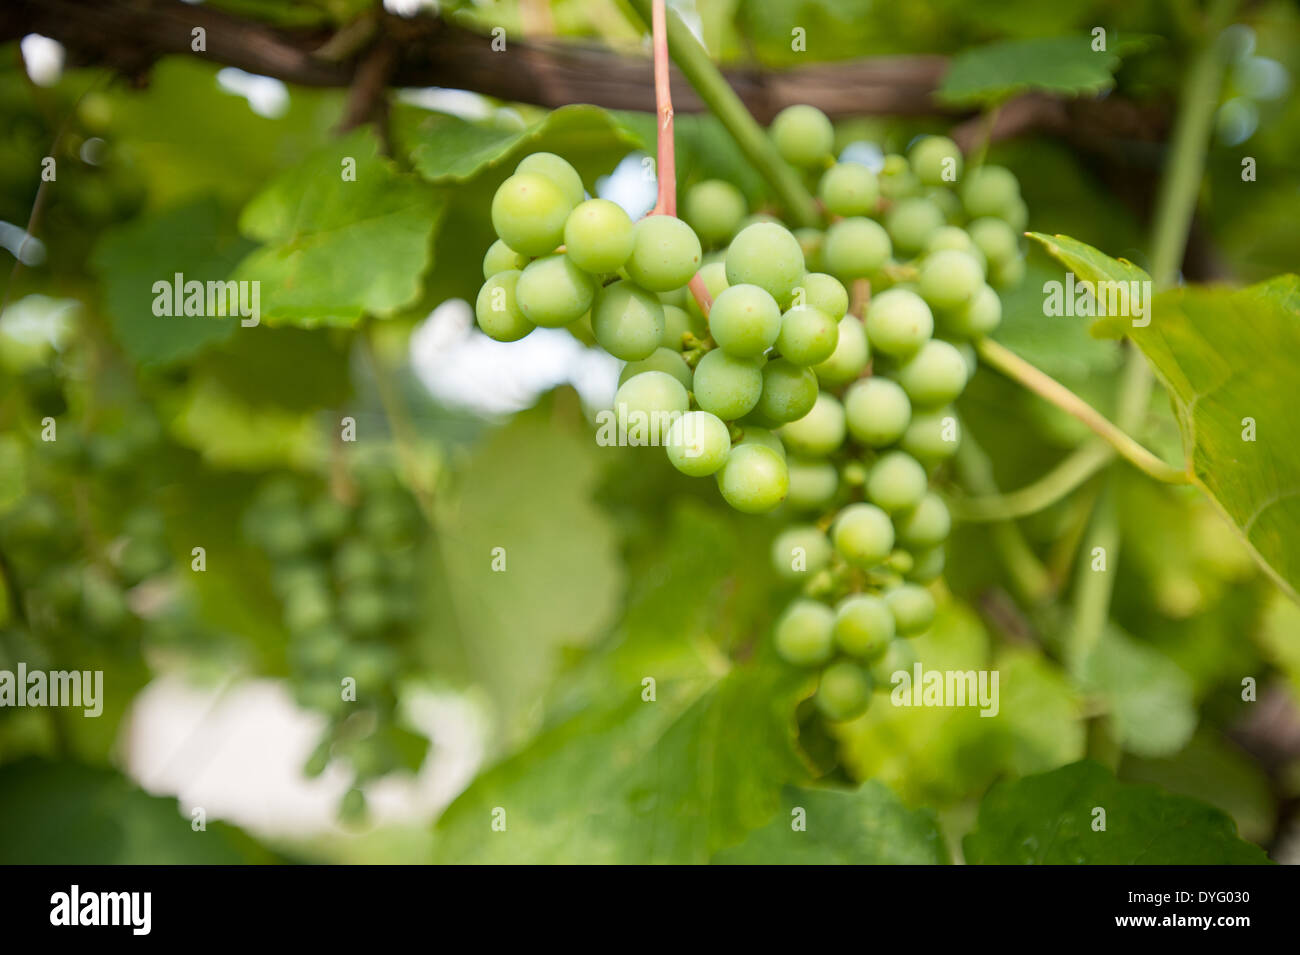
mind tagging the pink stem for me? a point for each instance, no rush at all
(666, 167)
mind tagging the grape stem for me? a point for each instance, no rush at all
(1047, 387)
(1056, 484)
(666, 161)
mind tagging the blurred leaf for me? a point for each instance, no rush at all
(286, 368)
(867, 827)
(70, 814)
(1064, 65)
(1148, 697)
(228, 431)
(337, 248)
(1047, 820)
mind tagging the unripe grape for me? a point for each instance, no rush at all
(698, 443)
(897, 181)
(769, 256)
(953, 237)
(676, 296)
(651, 394)
(988, 190)
(627, 321)
(559, 171)
(803, 633)
(528, 213)
(800, 551)
(812, 484)
(863, 535)
(755, 434)
(754, 480)
(714, 276)
(745, 320)
(714, 209)
(950, 278)
(926, 437)
(803, 135)
(911, 223)
(926, 525)
(665, 253)
(824, 292)
(935, 375)
(978, 317)
(876, 411)
(927, 565)
(849, 189)
(995, 239)
(855, 248)
(864, 626)
(789, 391)
(844, 692)
(727, 386)
(662, 359)
(818, 433)
(497, 309)
(949, 204)
(898, 322)
(898, 656)
(912, 607)
(553, 292)
(896, 482)
(501, 258)
(808, 335)
(676, 324)
(811, 241)
(850, 355)
(598, 236)
(936, 160)
(1007, 274)
(1016, 215)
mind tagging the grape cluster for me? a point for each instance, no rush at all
(822, 375)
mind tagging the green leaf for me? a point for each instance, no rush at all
(335, 248)
(1089, 264)
(1148, 697)
(197, 240)
(867, 827)
(71, 814)
(1048, 820)
(1063, 65)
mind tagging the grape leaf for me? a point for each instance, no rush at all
(867, 827)
(1048, 820)
(1064, 65)
(1148, 697)
(1089, 264)
(336, 248)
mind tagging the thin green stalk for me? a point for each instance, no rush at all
(699, 69)
(1072, 472)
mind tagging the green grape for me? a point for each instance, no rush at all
(307, 609)
(328, 518)
(856, 248)
(651, 397)
(677, 297)
(995, 239)
(558, 170)
(896, 482)
(676, 324)
(849, 189)
(501, 258)
(911, 223)
(800, 551)
(818, 433)
(789, 391)
(808, 335)
(665, 253)
(745, 320)
(364, 610)
(863, 535)
(714, 276)
(357, 560)
(823, 292)
(927, 565)
(528, 213)
(926, 525)
(988, 190)
(970, 357)
(755, 434)
(754, 480)
(931, 435)
(727, 386)
(803, 135)
(698, 443)
(844, 692)
(935, 375)
(950, 278)
(812, 484)
(936, 160)
(898, 322)
(1007, 274)
(953, 237)
(850, 355)
(912, 607)
(714, 209)
(803, 633)
(949, 204)
(662, 359)
(627, 321)
(1015, 214)
(876, 411)
(353, 809)
(864, 626)
(898, 657)
(553, 292)
(978, 317)
(598, 236)
(497, 310)
(767, 255)
(810, 241)
(897, 181)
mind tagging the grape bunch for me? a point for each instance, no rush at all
(819, 378)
